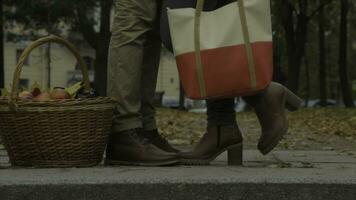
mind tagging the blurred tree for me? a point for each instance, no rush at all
(294, 17)
(2, 75)
(295, 22)
(103, 46)
(279, 74)
(99, 40)
(37, 15)
(343, 71)
(322, 58)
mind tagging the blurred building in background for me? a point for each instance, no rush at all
(168, 79)
(65, 71)
(64, 68)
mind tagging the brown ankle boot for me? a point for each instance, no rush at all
(270, 110)
(158, 140)
(216, 140)
(131, 148)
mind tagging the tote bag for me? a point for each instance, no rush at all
(223, 53)
(174, 4)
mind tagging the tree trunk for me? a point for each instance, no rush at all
(296, 36)
(102, 47)
(322, 58)
(278, 75)
(307, 85)
(343, 72)
(2, 70)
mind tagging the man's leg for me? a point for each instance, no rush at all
(133, 20)
(151, 58)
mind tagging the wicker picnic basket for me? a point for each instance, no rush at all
(56, 133)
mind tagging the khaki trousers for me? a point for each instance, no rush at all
(133, 61)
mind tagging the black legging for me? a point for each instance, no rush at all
(221, 112)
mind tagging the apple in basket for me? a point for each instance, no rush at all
(25, 96)
(44, 96)
(59, 93)
(36, 92)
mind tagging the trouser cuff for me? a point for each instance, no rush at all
(126, 125)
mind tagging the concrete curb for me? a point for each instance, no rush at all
(213, 182)
(181, 191)
(282, 175)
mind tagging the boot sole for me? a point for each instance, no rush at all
(207, 161)
(146, 164)
(274, 143)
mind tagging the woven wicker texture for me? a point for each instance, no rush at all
(56, 133)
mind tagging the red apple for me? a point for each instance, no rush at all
(36, 92)
(44, 96)
(59, 93)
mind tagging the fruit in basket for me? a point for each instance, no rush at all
(85, 94)
(44, 96)
(73, 90)
(59, 93)
(35, 88)
(25, 96)
(36, 92)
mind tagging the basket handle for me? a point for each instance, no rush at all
(37, 43)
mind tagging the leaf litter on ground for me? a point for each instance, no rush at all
(309, 129)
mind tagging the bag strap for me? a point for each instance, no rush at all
(248, 47)
(199, 65)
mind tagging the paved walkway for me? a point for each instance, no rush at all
(295, 175)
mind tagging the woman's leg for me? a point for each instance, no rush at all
(222, 134)
(221, 112)
(269, 106)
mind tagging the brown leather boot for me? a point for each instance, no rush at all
(131, 148)
(216, 140)
(270, 110)
(158, 140)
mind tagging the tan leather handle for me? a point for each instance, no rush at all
(199, 65)
(37, 43)
(248, 47)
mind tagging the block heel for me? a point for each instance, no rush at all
(292, 101)
(234, 155)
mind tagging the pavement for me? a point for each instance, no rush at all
(292, 175)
